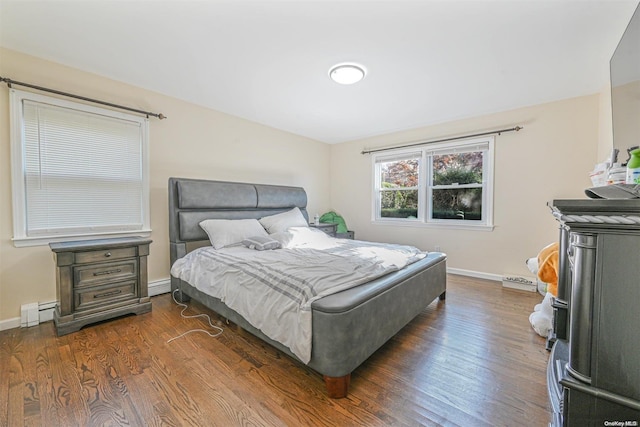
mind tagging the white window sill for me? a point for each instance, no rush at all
(22, 242)
(435, 225)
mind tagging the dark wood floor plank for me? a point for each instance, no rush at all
(31, 396)
(58, 384)
(6, 353)
(470, 360)
(236, 376)
(14, 371)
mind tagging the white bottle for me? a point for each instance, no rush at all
(316, 219)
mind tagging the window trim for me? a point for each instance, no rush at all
(425, 187)
(18, 187)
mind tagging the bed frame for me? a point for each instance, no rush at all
(348, 326)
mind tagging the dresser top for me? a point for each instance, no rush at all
(84, 245)
(596, 206)
(610, 214)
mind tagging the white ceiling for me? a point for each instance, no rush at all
(268, 61)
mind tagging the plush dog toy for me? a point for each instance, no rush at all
(548, 267)
(545, 266)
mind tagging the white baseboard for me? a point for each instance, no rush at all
(45, 309)
(476, 274)
(158, 287)
(9, 323)
(45, 313)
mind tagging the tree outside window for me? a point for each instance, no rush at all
(457, 186)
(399, 189)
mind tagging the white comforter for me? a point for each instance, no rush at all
(273, 290)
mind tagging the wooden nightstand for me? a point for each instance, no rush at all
(331, 229)
(328, 227)
(98, 280)
(348, 235)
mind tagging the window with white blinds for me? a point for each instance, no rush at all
(78, 170)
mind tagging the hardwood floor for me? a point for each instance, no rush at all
(472, 360)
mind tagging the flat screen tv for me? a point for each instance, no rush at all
(625, 89)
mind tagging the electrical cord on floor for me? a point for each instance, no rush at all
(185, 316)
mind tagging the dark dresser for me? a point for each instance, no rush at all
(98, 280)
(593, 375)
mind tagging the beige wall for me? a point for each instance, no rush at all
(605, 135)
(550, 158)
(193, 142)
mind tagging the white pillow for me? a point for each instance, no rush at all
(281, 222)
(283, 238)
(228, 232)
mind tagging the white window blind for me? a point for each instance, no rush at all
(462, 148)
(83, 169)
(398, 157)
(382, 174)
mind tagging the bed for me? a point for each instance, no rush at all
(349, 325)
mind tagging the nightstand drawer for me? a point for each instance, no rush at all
(103, 295)
(348, 235)
(329, 228)
(94, 274)
(105, 255)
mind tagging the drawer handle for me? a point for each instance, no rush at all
(107, 294)
(108, 254)
(102, 273)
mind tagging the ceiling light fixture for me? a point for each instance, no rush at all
(347, 74)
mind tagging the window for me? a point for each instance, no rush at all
(398, 186)
(443, 184)
(77, 171)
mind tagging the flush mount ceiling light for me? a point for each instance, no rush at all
(347, 74)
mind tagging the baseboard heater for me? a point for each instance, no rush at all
(529, 284)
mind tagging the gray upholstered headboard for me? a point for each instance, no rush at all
(194, 200)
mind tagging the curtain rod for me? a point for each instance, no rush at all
(499, 131)
(10, 82)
